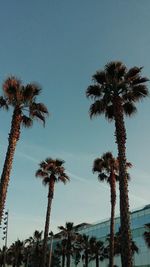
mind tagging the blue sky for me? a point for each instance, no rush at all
(60, 45)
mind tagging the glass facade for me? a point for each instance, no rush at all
(138, 219)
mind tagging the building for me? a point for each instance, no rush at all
(139, 218)
(100, 230)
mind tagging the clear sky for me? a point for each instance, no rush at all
(60, 44)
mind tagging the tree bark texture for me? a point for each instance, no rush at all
(126, 254)
(12, 142)
(47, 222)
(68, 256)
(86, 259)
(112, 225)
(63, 260)
(97, 260)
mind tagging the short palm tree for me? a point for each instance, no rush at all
(115, 92)
(97, 251)
(86, 243)
(25, 109)
(51, 171)
(15, 253)
(33, 249)
(134, 248)
(147, 234)
(68, 233)
(107, 168)
(60, 250)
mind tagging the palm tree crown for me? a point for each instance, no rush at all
(104, 166)
(24, 99)
(116, 81)
(52, 170)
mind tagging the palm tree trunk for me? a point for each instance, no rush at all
(12, 141)
(47, 222)
(86, 259)
(126, 254)
(68, 252)
(97, 261)
(112, 226)
(63, 260)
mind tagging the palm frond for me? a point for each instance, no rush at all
(59, 162)
(139, 92)
(140, 80)
(62, 228)
(38, 115)
(121, 70)
(63, 178)
(46, 181)
(3, 103)
(41, 108)
(49, 160)
(42, 164)
(132, 72)
(115, 69)
(31, 90)
(97, 108)
(40, 173)
(103, 177)
(11, 85)
(109, 114)
(93, 91)
(110, 68)
(97, 165)
(129, 108)
(99, 77)
(27, 122)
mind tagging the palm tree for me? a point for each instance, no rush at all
(60, 250)
(107, 168)
(69, 234)
(147, 234)
(115, 91)
(86, 242)
(134, 248)
(15, 253)
(33, 249)
(25, 109)
(98, 252)
(117, 245)
(51, 171)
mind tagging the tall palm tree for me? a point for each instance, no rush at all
(147, 234)
(69, 234)
(25, 109)
(51, 171)
(107, 168)
(115, 91)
